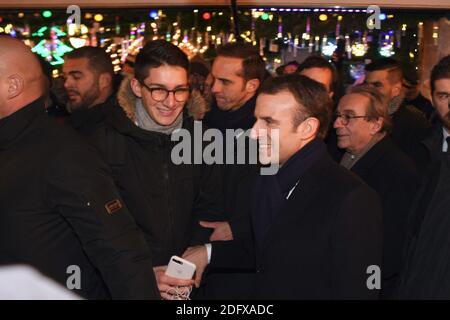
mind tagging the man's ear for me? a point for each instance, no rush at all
(105, 80)
(397, 89)
(15, 86)
(376, 126)
(309, 128)
(136, 87)
(252, 85)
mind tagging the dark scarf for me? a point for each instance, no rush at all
(271, 191)
(82, 117)
(242, 118)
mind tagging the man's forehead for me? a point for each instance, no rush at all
(167, 76)
(274, 104)
(352, 102)
(321, 75)
(442, 85)
(229, 65)
(77, 64)
(377, 75)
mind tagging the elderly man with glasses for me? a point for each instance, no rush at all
(166, 199)
(362, 126)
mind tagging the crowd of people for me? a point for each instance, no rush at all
(357, 210)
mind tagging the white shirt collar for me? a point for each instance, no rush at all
(446, 134)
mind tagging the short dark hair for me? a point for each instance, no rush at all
(377, 107)
(320, 62)
(157, 53)
(312, 98)
(253, 65)
(99, 61)
(393, 67)
(440, 71)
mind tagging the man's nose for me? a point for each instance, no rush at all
(255, 131)
(338, 123)
(215, 88)
(170, 100)
(67, 83)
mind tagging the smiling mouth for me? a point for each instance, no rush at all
(264, 146)
(166, 112)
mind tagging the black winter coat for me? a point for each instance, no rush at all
(166, 200)
(430, 149)
(387, 170)
(59, 207)
(320, 244)
(86, 122)
(409, 128)
(426, 272)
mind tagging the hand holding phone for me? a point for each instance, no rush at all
(180, 268)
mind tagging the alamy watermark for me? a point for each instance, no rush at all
(75, 15)
(374, 20)
(74, 279)
(233, 147)
(374, 280)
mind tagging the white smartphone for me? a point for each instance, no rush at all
(180, 268)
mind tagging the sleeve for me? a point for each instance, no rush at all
(397, 198)
(209, 202)
(356, 244)
(80, 188)
(234, 254)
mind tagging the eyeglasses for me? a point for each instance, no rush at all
(161, 94)
(345, 118)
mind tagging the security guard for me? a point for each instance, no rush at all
(59, 209)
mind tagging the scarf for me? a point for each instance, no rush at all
(144, 121)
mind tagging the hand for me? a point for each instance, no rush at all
(167, 285)
(198, 256)
(222, 230)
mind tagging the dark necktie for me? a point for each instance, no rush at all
(448, 144)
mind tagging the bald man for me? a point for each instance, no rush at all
(59, 209)
(22, 82)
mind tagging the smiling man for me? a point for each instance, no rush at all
(165, 199)
(316, 228)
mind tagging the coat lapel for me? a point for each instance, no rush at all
(363, 166)
(303, 195)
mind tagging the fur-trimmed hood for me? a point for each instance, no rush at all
(196, 105)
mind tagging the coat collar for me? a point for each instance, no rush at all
(308, 187)
(242, 118)
(93, 115)
(14, 125)
(363, 165)
(434, 138)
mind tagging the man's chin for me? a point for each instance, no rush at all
(166, 121)
(446, 121)
(264, 158)
(73, 107)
